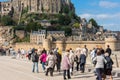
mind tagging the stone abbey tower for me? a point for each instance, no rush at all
(36, 6)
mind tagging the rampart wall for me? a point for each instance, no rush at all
(63, 45)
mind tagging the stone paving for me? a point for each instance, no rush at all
(21, 69)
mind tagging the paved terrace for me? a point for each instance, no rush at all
(21, 69)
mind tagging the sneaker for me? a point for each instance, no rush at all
(69, 78)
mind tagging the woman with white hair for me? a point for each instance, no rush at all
(66, 65)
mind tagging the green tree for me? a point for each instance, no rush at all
(64, 20)
(65, 9)
(6, 20)
(33, 26)
(94, 23)
(76, 25)
(25, 10)
(68, 31)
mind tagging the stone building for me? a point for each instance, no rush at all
(37, 37)
(36, 6)
(6, 8)
(56, 35)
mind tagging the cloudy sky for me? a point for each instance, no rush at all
(105, 12)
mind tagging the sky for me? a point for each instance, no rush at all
(105, 12)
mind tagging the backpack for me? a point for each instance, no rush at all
(33, 57)
(109, 63)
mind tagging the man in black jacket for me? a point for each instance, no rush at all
(35, 59)
(108, 50)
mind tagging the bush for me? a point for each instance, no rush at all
(6, 20)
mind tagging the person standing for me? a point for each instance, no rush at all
(43, 59)
(82, 61)
(29, 54)
(77, 56)
(66, 65)
(108, 66)
(100, 61)
(85, 49)
(22, 53)
(71, 58)
(58, 62)
(50, 63)
(18, 54)
(108, 50)
(35, 59)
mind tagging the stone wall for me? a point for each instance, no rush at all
(63, 45)
(90, 44)
(114, 44)
(26, 46)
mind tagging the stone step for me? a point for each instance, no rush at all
(116, 73)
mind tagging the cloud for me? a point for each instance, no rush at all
(112, 26)
(108, 4)
(101, 16)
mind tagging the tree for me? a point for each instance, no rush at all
(76, 25)
(64, 20)
(68, 31)
(94, 23)
(65, 9)
(33, 26)
(6, 20)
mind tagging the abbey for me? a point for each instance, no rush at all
(36, 6)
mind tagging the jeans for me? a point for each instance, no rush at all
(82, 67)
(68, 74)
(99, 73)
(43, 65)
(35, 65)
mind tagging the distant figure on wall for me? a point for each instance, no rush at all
(108, 50)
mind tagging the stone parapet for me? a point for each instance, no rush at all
(63, 45)
(47, 44)
(60, 45)
(112, 42)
